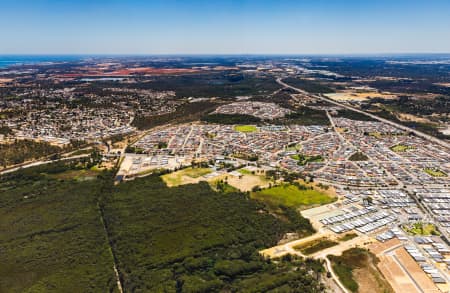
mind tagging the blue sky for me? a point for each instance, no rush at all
(224, 27)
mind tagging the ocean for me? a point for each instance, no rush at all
(8, 60)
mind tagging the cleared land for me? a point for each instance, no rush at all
(356, 269)
(291, 196)
(245, 128)
(393, 267)
(185, 176)
(247, 181)
(358, 96)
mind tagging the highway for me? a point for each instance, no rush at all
(402, 127)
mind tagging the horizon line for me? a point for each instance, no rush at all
(228, 54)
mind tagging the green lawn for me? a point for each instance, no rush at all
(245, 172)
(245, 128)
(400, 148)
(291, 196)
(435, 172)
(421, 229)
(303, 159)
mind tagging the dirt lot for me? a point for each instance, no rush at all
(359, 96)
(370, 279)
(416, 272)
(399, 281)
(393, 266)
(247, 181)
(378, 248)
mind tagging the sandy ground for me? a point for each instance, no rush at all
(4, 81)
(446, 130)
(416, 272)
(247, 182)
(127, 167)
(378, 248)
(391, 263)
(399, 281)
(443, 84)
(358, 96)
(371, 280)
(409, 117)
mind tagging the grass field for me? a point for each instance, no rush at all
(221, 186)
(315, 245)
(291, 196)
(400, 148)
(245, 128)
(79, 175)
(303, 160)
(421, 229)
(185, 176)
(434, 172)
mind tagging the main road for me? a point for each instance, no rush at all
(402, 127)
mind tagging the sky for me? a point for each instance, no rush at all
(224, 27)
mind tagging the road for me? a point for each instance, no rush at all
(402, 127)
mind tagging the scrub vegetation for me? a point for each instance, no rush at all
(62, 234)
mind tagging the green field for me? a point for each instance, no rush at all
(79, 175)
(245, 172)
(434, 172)
(315, 246)
(245, 128)
(291, 196)
(400, 148)
(421, 229)
(303, 159)
(178, 177)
